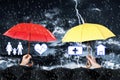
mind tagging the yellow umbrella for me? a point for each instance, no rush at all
(87, 32)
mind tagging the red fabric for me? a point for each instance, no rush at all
(30, 32)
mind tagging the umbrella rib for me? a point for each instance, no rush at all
(100, 32)
(45, 37)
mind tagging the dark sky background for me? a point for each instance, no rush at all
(15, 11)
(106, 12)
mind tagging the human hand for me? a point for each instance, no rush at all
(91, 62)
(25, 60)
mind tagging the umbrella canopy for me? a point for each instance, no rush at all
(30, 32)
(87, 32)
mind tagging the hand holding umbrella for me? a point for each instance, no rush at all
(25, 60)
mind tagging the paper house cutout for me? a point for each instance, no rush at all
(101, 50)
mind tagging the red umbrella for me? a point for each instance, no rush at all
(30, 32)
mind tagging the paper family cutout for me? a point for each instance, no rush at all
(15, 51)
(40, 48)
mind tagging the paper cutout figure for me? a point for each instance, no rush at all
(40, 48)
(19, 48)
(9, 48)
(14, 51)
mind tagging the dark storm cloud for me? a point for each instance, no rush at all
(104, 11)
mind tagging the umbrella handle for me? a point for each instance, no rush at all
(89, 48)
(28, 47)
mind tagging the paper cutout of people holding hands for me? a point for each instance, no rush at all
(9, 48)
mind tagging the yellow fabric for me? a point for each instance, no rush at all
(87, 32)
